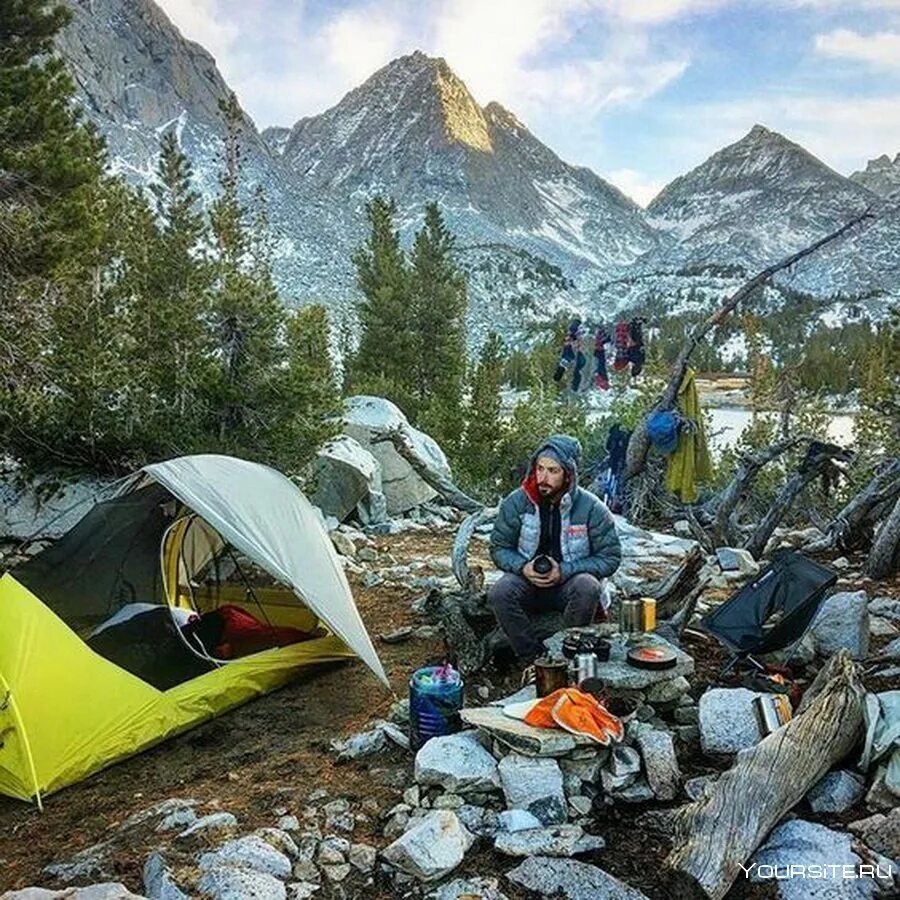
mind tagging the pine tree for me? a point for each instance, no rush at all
(385, 360)
(247, 314)
(438, 314)
(478, 459)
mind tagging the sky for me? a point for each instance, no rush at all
(640, 91)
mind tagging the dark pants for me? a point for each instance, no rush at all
(513, 598)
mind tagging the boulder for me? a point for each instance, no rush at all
(728, 720)
(800, 843)
(836, 792)
(468, 888)
(535, 785)
(248, 852)
(345, 474)
(208, 825)
(366, 417)
(886, 607)
(457, 763)
(159, 883)
(570, 879)
(660, 763)
(735, 559)
(842, 622)
(880, 832)
(434, 847)
(231, 883)
(110, 890)
(556, 840)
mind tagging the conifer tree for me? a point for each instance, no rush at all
(385, 360)
(438, 313)
(478, 456)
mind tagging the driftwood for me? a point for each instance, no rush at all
(855, 518)
(431, 476)
(639, 443)
(717, 834)
(884, 559)
(671, 593)
(470, 580)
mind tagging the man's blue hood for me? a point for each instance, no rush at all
(568, 449)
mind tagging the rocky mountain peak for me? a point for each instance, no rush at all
(881, 175)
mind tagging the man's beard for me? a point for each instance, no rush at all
(549, 493)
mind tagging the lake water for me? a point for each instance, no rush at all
(729, 422)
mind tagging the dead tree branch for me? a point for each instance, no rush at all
(639, 444)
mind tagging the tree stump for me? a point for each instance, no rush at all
(718, 833)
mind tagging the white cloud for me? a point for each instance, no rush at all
(359, 41)
(881, 49)
(636, 185)
(205, 22)
(654, 12)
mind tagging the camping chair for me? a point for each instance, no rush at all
(771, 612)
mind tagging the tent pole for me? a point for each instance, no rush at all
(10, 700)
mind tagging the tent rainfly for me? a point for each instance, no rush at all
(152, 615)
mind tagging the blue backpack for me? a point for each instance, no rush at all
(662, 429)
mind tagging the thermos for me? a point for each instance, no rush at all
(631, 615)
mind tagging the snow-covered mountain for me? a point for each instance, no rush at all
(881, 175)
(535, 234)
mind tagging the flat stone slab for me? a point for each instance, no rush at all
(570, 879)
(521, 737)
(617, 674)
(556, 840)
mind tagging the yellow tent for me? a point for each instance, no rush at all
(97, 659)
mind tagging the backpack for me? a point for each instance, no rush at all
(662, 429)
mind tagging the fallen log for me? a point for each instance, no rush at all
(844, 530)
(639, 443)
(884, 558)
(431, 476)
(671, 593)
(718, 833)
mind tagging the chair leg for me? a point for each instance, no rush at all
(729, 666)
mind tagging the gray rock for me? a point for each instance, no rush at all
(586, 769)
(687, 715)
(110, 890)
(366, 418)
(448, 801)
(337, 872)
(535, 785)
(158, 881)
(345, 474)
(613, 784)
(231, 883)
(880, 796)
(638, 791)
(302, 890)
(734, 559)
(469, 889)
(411, 796)
(805, 843)
(667, 691)
(842, 622)
(624, 760)
(396, 825)
(557, 840)
(248, 852)
(887, 607)
(306, 870)
(891, 650)
(580, 805)
(433, 848)
(660, 763)
(880, 832)
(880, 627)
(517, 820)
(570, 879)
(211, 824)
(333, 850)
(480, 821)
(343, 544)
(338, 816)
(289, 823)
(86, 865)
(365, 743)
(458, 763)
(362, 857)
(728, 720)
(836, 792)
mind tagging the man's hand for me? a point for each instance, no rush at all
(548, 579)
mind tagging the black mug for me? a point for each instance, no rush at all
(542, 564)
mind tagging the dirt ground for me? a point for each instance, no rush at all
(273, 752)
